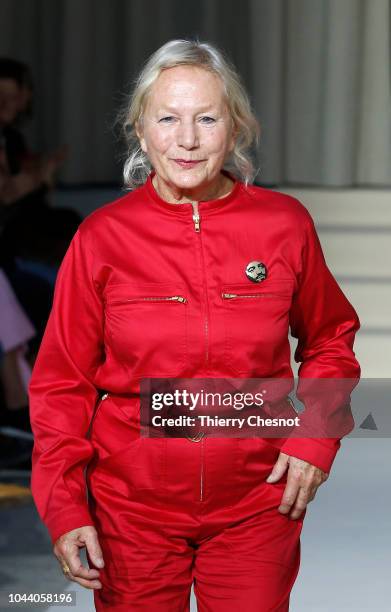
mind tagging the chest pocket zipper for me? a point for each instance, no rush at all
(230, 296)
(170, 298)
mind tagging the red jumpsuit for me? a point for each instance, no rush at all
(172, 511)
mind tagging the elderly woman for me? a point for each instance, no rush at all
(153, 285)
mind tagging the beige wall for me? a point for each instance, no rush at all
(354, 227)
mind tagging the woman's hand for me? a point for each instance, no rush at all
(303, 481)
(66, 549)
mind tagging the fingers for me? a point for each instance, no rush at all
(77, 568)
(94, 549)
(290, 492)
(76, 572)
(92, 583)
(303, 498)
(73, 570)
(302, 483)
(67, 551)
(279, 468)
(88, 584)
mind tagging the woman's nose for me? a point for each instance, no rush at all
(187, 135)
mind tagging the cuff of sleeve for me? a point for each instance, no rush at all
(69, 519)
(318, 452)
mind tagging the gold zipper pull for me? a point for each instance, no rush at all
(229, 295)
(196, 219)
(196, 216)
(179, 298)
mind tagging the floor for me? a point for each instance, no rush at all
(346, 542)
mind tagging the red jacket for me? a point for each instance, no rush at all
(112, 323)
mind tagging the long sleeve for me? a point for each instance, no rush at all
(325, 324)
(63, 396)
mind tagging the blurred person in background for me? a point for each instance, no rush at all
(33, 235)
(16, 332)
(35, 243)
(25, 177)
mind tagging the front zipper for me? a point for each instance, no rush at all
(230, 296)
(202, 471)
(196, 216)
(171, 298)
(197, 228)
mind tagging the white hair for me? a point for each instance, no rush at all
(191, 52)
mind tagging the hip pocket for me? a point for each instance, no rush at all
(138, 466)
(123, 460)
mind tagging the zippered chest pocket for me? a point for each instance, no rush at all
(256, 324)
(146, 328)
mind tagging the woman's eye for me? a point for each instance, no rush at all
(168, 119)
(207, 120)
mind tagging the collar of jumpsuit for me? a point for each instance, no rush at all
(204, 206)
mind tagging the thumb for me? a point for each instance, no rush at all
(94, 550)
(279, 468)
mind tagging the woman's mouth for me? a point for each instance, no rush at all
(183, 163)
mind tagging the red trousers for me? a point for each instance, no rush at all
(170, 512)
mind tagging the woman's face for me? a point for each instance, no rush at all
(186, 119)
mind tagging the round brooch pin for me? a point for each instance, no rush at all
(256, 271)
